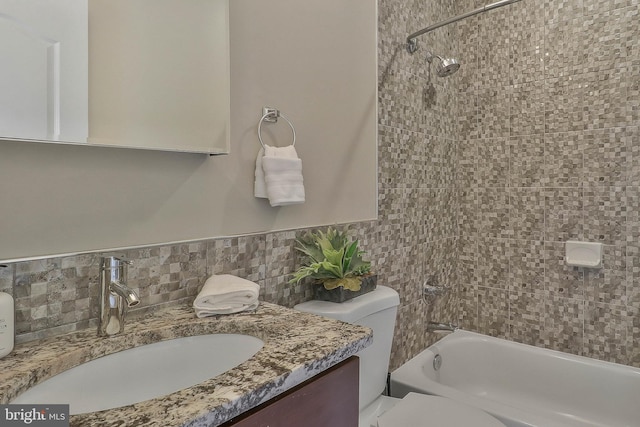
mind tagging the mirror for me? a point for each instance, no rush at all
(151, 74)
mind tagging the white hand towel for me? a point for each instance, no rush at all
(283, 176)
(226, 294)
(259, 186)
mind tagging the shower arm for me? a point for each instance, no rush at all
(412, 43)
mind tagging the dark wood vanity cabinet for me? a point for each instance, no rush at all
(330, 399)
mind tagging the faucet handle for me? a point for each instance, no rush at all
(429, 290)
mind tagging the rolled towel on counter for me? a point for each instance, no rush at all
(226, 294)
(279, 175)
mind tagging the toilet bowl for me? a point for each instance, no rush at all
(377, 310)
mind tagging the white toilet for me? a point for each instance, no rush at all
(377, 310)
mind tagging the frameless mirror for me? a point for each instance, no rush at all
(150, 74)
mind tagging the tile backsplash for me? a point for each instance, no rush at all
(59, 295)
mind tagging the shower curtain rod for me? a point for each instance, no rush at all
(412, 43)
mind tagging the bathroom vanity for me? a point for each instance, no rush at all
(304, 369)
(328, 399)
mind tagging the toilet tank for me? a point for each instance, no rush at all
(376, 310)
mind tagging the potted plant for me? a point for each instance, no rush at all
(336, 264)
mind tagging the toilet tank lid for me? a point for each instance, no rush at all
(354, 309)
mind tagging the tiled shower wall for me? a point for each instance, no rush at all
(482, 176)
(551, 152)
(419, 137)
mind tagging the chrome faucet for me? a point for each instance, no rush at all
(441, 327)
(115, 296)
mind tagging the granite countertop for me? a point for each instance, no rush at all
(297, 346)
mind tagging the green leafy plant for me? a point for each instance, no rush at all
(332, 259)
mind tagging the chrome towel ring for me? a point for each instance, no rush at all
(271, 115)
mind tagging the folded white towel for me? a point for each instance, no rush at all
(226, 294)
(282, 175)
(259, 186)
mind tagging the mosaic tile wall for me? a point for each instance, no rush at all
(550, 153)
(482, 176)
(418, 167)
(60, 295)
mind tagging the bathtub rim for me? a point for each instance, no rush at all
(402, 381)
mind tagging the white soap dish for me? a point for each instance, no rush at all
(583, 254)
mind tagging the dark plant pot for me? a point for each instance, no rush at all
(341, 294)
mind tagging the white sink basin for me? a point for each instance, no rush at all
(143, 373)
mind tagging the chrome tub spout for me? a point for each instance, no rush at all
(441, 327)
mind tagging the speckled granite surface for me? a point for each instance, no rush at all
(297, 346)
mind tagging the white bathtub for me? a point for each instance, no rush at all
(523, 385)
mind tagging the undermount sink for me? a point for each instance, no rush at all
(143, 373)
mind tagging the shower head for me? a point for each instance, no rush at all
(445, 67)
